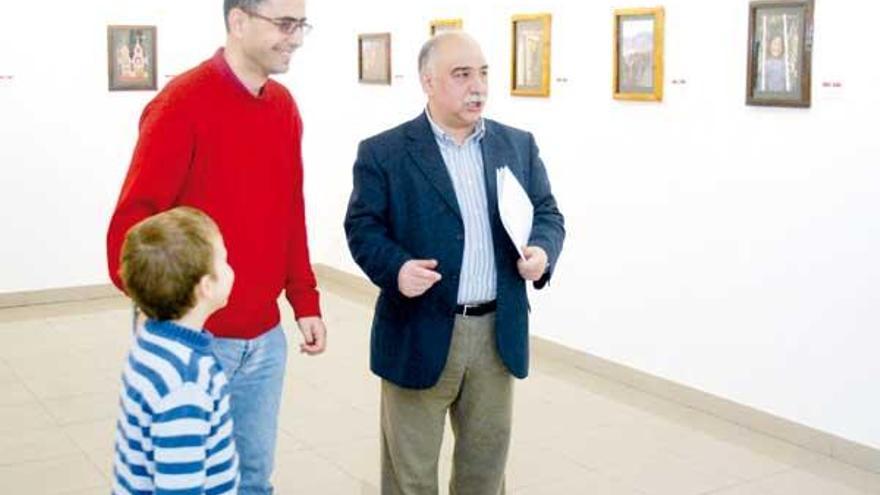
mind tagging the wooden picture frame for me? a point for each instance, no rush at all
(637, 73)
(131, 58)
(530, 55)
(374, 58)
(780, 53)
(440, 25)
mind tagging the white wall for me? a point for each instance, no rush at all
(65, 141)
(725, 247)
(729, 248)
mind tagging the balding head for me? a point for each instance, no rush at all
(442, 42)
(453, 73)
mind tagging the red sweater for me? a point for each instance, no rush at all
(205, 141)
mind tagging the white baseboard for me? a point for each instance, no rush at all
(61, 295)
(361, 290)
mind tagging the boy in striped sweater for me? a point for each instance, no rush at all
(174, 433)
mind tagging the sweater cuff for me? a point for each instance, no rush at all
(305, 304)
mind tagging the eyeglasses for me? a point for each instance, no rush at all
(287, 25)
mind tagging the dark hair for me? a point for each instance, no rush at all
(228, 5)
(163, 259)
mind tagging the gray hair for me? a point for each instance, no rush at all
(426, 54)
(247, 5)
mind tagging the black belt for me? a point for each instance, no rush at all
(475, 309)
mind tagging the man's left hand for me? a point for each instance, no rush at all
(534, 265)
(314, 335)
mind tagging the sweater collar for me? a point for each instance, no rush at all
(219, 62)
(197, 340)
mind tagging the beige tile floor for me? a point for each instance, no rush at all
(574, 433)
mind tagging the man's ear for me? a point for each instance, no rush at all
(236, 21)
(427, 80)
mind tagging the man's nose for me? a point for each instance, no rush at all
(479, 85)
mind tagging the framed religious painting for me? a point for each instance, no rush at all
(374, 58)
(440, 25)
(530, 53)
(637, 72)
(780, 53)
(131, 58)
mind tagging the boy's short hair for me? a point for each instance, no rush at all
(163, 259)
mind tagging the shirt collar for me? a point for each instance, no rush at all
(443, 136)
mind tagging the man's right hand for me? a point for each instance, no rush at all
(416, 277)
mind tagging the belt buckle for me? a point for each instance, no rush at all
(465, 309)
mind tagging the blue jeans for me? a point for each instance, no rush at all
(255, 369)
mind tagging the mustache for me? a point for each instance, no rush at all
(291, 48)
(475, 98)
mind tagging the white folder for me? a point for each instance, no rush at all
(515, 208)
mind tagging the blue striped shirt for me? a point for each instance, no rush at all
(465, 165)
(174, 432)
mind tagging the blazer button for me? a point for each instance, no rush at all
(459, 237)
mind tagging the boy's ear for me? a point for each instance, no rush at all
(204, 288)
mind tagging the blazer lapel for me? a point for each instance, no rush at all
(425, 153)
(495, 156)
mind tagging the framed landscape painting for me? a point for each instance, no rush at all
(530, 54)
(374, 58)
(638, 54)
(440, 25)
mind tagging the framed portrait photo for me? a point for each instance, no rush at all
(131, 58)
(638, 54)
(530, 53)
(374, 58)
(780, 53)
(440, 25)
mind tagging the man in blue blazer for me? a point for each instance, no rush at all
(450, 328)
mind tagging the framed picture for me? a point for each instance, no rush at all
(638, 54)
(131, 57)
(440, 25)
(780, 53)
(374, 58)
(530, 67)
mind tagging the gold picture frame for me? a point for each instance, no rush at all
(374, 58)
(440, 25)
(638, 54)
(530, 55)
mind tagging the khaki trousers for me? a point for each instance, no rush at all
(477, 390)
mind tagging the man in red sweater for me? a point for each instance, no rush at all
(226, 139)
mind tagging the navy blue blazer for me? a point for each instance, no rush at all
(403, 206)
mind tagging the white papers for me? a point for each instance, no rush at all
(515, 208)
